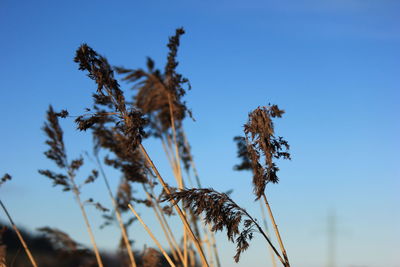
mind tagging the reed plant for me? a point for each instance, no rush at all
(67, 178)
(130, 120)
(263, 146)
(257, 151)
(119, 123)
(159, 96)
(117, 210)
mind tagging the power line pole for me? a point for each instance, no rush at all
(331, 231)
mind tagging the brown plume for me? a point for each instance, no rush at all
(222, 213)
(261, 143)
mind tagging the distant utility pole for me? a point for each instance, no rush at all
(331, 231)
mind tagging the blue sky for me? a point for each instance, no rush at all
(332, 65)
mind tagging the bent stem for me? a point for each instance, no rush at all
(171, 263)
(117, 214)
(177, 208)
(21, 239)
(266, 238)
(278, 236)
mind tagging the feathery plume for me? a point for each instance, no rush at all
(262, 143)
(222, 213)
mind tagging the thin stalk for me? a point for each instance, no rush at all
(185, 245)
(88, 227)
(266, 238)
(266, 231)
(168, 228)
(21, 239)
(170, 160)
(177, 208)
(117, 214)
(172, 247)
(192, 257)
(180, 178)
(206, 240)
(278, 236)
(196, 174)
(171, 263)
(177, 157)
(214, 246)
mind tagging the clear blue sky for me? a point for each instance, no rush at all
(333, 65)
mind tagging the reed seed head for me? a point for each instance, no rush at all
(221, 212)
(261, 143)
(131, 121)
(52, 129)
(157, 90)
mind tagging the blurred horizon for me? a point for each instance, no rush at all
(333, 66)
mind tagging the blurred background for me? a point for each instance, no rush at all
(332, 65)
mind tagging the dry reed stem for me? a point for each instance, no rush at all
(177, 208)
(192, 258)
(88, 227)
(278, 236)
(214, 246)
(171, 263)
(171, 158)
(263, 216)
(177, 157)
(168, 228)
(21, 239)
(180, 178)
(206, 240)
(185, 245)
(168, 155)
(196, 175)
(176, 256)
(117, 214)
(269, 241)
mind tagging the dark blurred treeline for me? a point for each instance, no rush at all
(49, 254)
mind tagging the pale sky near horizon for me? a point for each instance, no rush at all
(332, 65)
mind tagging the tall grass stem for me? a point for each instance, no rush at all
(278, 236)
(177, 208)
(171, 263)
(117, 214)
(21, 239)
(88, 227)
(264, 218)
